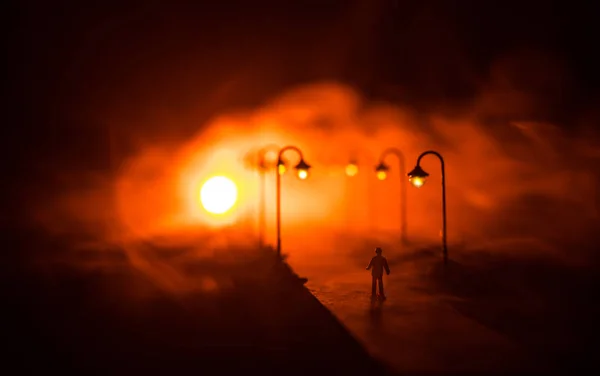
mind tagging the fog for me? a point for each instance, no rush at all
(520, 179)
(515, 184)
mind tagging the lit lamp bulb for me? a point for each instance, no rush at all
(351, 169)
(417, 176)
(302, 174)
(381, 171)
(302, 169)
(417, 181)
(281, 168)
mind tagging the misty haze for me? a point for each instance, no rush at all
(142, 110)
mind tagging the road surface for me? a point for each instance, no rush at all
(425, 326)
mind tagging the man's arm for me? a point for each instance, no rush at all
(370, 264)
(385, 265)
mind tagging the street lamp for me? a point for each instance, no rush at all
(263, 167)
(417, 177)
(302, 172)
(351, 172)
(382, 170)
(352, 168)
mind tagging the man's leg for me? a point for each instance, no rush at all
(373, 287)
(381, 286)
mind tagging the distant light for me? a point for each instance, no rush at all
(381, 170)
(351, 169)
(417, 176)
(218, 195)
(417, 181)
(302, 169)
(302, 174)
(281, 168)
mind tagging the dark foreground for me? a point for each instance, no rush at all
(485, 312)
(251, 316)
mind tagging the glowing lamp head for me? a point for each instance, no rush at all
(266, 157)
(218, 195)
(281, 168)
(417, 176)
(302, 170)
(381, 170)
(352, 169)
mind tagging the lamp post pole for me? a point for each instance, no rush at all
(302, 169)
(352, 169)
(262, 170)
(351, 172)
(402, 164)
(419, 176)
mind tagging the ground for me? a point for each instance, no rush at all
(496, 315)
(244, 313)
(101, 312)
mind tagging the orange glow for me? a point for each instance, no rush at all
(417, 181)
(351, 169)
(511, 169)
(218, 194)
(302, 174)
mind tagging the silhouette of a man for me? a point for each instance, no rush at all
(378, 264)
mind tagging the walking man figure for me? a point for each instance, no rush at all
(378, 264)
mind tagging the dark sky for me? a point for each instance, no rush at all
(75, 59)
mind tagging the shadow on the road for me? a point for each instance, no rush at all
(460, 280)
(376, 313)
(118, 322)
(547, 307)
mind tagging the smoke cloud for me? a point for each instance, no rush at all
(515, 181)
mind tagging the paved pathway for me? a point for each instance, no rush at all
(415, 330)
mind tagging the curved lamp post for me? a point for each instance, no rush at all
(382, 171)
(352, 169)
(302, 172)
(263, 168)
(418, 176)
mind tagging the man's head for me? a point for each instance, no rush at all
(378, 250)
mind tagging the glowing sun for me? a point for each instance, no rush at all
(218, 195)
